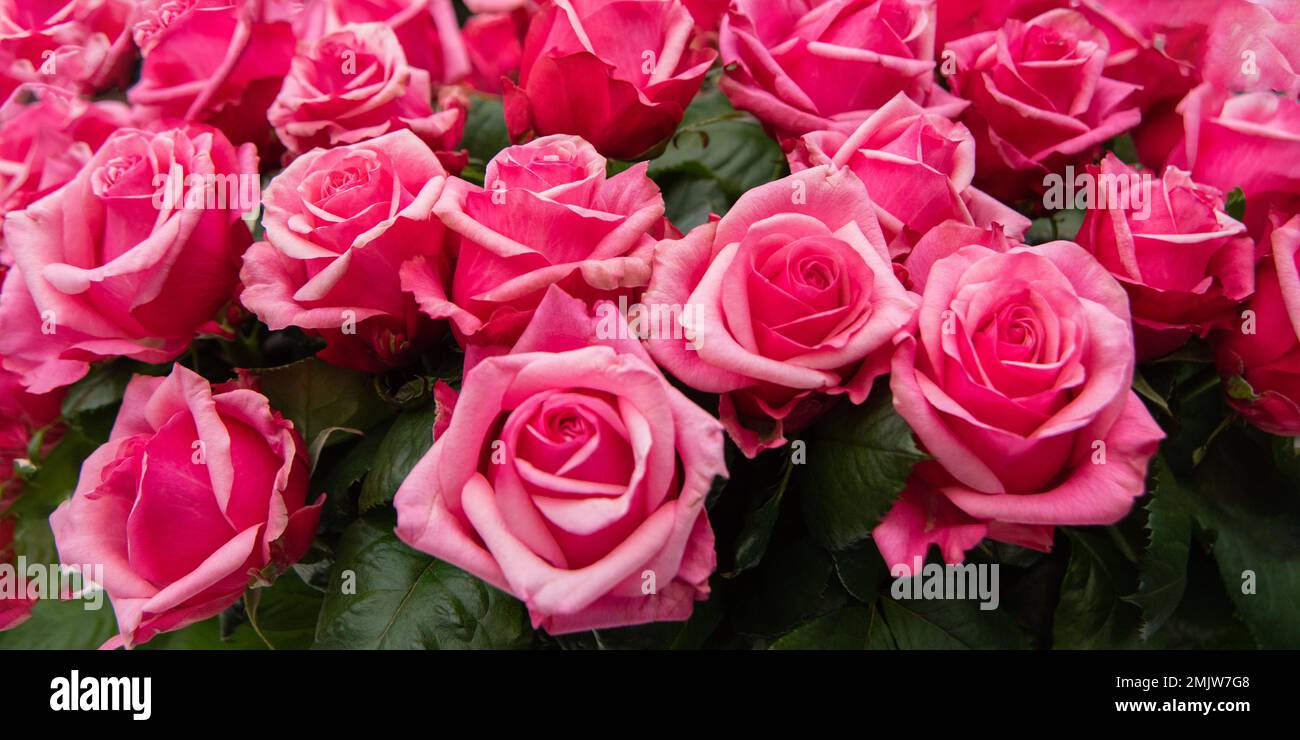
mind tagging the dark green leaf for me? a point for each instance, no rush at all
(947, 624)
(861, 570)
(756, 529)
(103, 386)
(404, 599)
(859, 458)
(845, 629)
(409, 437)
(1091, 613)
(1162, 572)
(316, 396)
(1234, 203)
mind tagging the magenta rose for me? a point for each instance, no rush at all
(427, 29)
(572, 475)
(339, 224)
(26, 421)
(618, 73)
(784, 302)
(130, 258)
(46, 136)
(354, 84)
(1246, 141)
(1253, 46)
(199, 493)
(1183, 261)
(918, 168)
(495, 45)
(827, 64)
(219, 62)
(1039, 97)
(548, 215)
(1259, 356)
(1017, 382)
(82, 45)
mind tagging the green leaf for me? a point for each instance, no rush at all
(845, 629)
(284, 614)
(1092, 613)
(103, 386)
(716, 156)
(317, 396)
(403, 599)
(1145, 390)
(1162, 569)
(409, 437)
(861, 569)
(62, 624)
(1234, 203)
(485, 129)
(790, 588)
(859, 458)
(206, 635)
(56, 475)
(950, 624)
(756, 527)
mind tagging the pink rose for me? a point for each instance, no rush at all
(962, 18)
(918, 167)
(79, 44)
(548, 216)
(427, 29)
(495, 44)
(1249, 141)
(23, 416)
(46, 136)
(354, 84)
(339, 224)
(572, 475)
(707, 13)
(1254, 46)
(213, 61)
(199, 493)
(130, 258)
(1259, 357)
(785, 301)
(1017, 382)
(827, 64)
(1039, 97)
(618, 73)
(1183, 261)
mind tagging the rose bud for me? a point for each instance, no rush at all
(786, 301)
(1183, 261)
(1017, 382)
(354, 84)
(199, 493)
(219, 62)
(80, 45)
(1259, 356)
(130, 258)
(339, 224)
(548, 216)
(1040, 97)
(828, 67)
(618, 73)
(427, 29)
(572, 475)
(917, 167)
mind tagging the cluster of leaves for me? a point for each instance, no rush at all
(1209, 558)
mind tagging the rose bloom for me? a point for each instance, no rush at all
(339, 224)
(46, 136)
(572, 475)
(1039, 97)
(618, 73)
(354, 84)
(82, 45)
(811, 66)
(199, 493)
(427, 29)
(787, 300)
(1183, 261)
(23, 418)
(495, 45)
(548, 216)
(1018, 383)
(1254, 47)
(130, 258)
(918, 168)
(214, 61)
(1249, 141)
(1259, 356)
